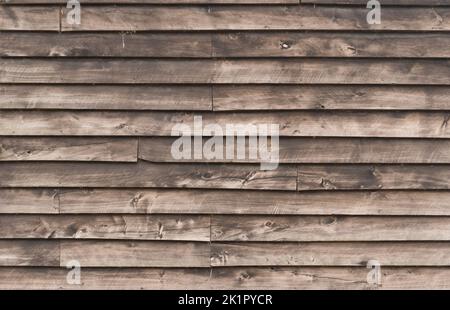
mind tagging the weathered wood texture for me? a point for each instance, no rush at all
(400, 124)
(384, 2)
(68, 149)
(328, 228)
(242, 71)
(139, 18)
(226, 278)
(144, 174)
(164, 227)
(29, 253)
(29, 18)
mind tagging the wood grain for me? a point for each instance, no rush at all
(326, 44)
(330, 97)
(29, 253)
(135, 254)
(146, 18)
(237, 71)
(98, 97)
(329, 228)
(362, 177)
(316, 150)
(399, 124)
(166, 201)
(385, 2)
(160, 1)
(144, 174)
(130, 227)
(330, 254)
(39, 201)
(68, 149)
(226, 278)
(30, 18)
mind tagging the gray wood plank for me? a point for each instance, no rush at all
(29, 18)
(29, 253)
(41, 201)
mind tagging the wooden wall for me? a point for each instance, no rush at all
(85, 121)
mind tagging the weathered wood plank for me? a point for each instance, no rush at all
(29, 18)
(29, 253)
(330, 254)
(226, 278)
(144, 174)
(238, 71)
(138, 18)
(401, 124)
(346, 177)
(159, 1)
(134, 227)
(383, 2)
(315, 150)
(105, 45)
(136, 254)
(42, 201)
(330, 97)
(321, 44)
(329, 228)
(68, 149)
(252, 202)
(97, 97)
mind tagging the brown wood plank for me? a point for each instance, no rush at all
(144, 174)
(131, 227)
(135, 254)
(68, 149)
(42, 201)
(330, 97)
(330, 254)
(29, 253)
(401, 124)
(383, 2)
(252, 202)
(29, 18)
(316, 150)
(346, 177)
(329, 228)
(238, 71)
(105, 45)
(158, 1)
(97, 97)
(321, 44)
(139, 18)
(226, 278)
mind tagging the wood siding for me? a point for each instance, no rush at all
(86, 119)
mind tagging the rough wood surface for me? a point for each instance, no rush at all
(346, 177)
(68, 149)
(249, 202)
(164, 227)
(145, 174)
(31, 18)
(97, 97)
(329, 228)
(39, 201)
(135, 254)
(330, 254)
(29, 253)
(237, 71)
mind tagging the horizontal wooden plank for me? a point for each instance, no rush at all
(139, 18)
(135, 254)
(105, 45)
(247, 202)
(29, 253)
(158, 1)
(30, 18)
(144, 174)
(238, 71)
(383, 2)
(226, 278)
(347, 177)
(134, 227)
(42, 201)
(68, 149)
(97, 97)
(400, 124)
(312, 150)
(329, 228)
(321, 44)
(330, 97)
(244, 44)
(330, 254)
